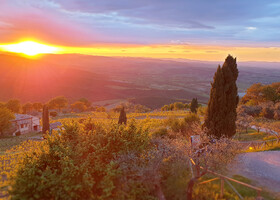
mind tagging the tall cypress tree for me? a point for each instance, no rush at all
(194, 105)
(221, 112)
(122, 117)
(45, 119)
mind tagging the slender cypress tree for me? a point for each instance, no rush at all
(194, 105)
(45, 119)
(122, 117)
(221, 112)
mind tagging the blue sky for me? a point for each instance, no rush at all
(82, 22)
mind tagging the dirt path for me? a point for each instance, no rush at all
(262, 167)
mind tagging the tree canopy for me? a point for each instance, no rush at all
(78, 106)
(259, 93)
(194, 105)
(58, 103)
(27, 108)
(14, 105)
(6, 116)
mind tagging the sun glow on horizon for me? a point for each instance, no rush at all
(29, 48)
(33, 47)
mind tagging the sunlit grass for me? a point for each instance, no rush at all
(9, 142)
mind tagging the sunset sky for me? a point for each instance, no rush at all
(200, 29)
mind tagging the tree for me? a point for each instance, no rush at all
(243, 120)
(221, 113)
(2, 105)
(253, 111)
(122, 117)
(258, 93)
(270, 94)
(14, 105)
(72, 153)
(267, 112)
(27, 108)
(178, 106)
(194, 105)
(37, 106)
(273, 129)
(165, 108)
(277, 114)
(78, 106)
(258, 123)
(252, 94)
(202, 110)
(45, 119)
(85, 101)
(171, 106)
(58, 103)
(6, 116)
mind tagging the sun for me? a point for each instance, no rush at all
(29, 48)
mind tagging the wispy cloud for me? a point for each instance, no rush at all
(251, 28)
(82, 22)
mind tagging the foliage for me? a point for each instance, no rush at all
(79, 164)
(175, 106)
(122, 117)
(100, 109)
(202, 110)
(2, 105)
(27, 108)
(267, 112)
(258, 93)
(159, 132)
(243, 120)
(194, 105)
(186, 126)
(100, 159)
(253, 111)
(78, 106)
(86, 102)
(14, 105)
(37, 106)
(58, 103)
(221, 113)
(131, 108)
(5, 119)
(274, 129)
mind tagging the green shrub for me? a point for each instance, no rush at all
(79, 163)
(160, 132)
(184, 126)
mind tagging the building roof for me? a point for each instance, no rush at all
(22, 117)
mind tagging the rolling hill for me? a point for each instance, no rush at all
(151, 82)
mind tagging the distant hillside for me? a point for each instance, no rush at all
(152, 82)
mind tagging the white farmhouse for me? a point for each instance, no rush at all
(25, 124)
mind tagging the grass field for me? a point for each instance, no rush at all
(252, 135)
(9, 142)
(242, 190)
